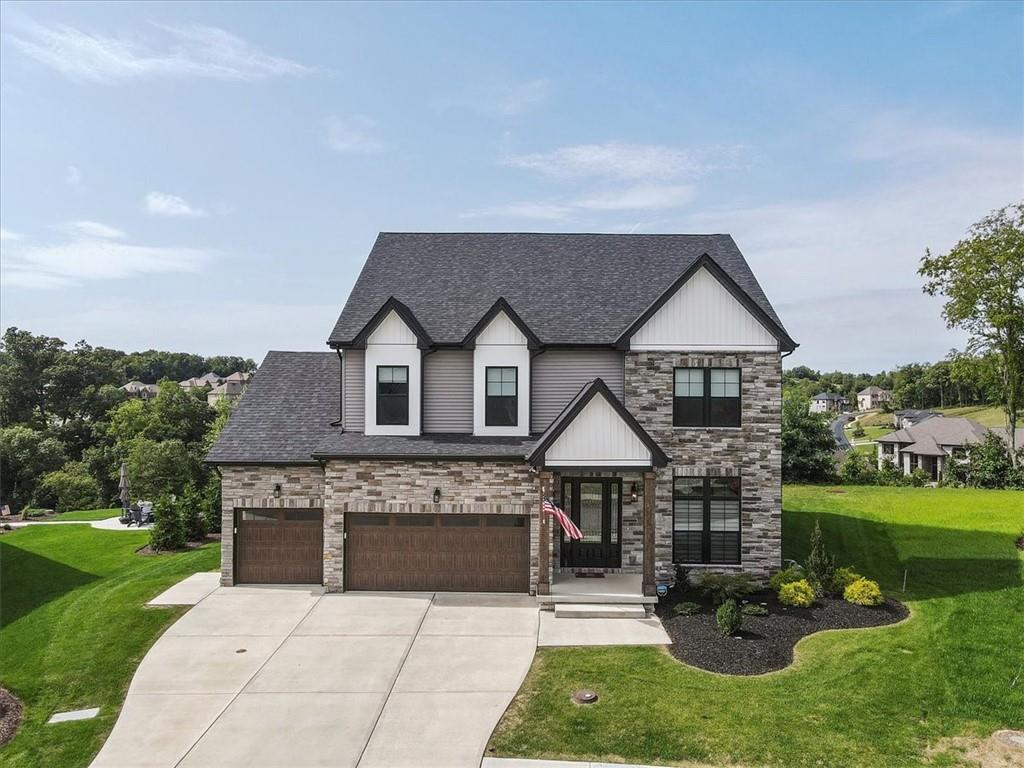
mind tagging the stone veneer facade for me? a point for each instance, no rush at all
(752, 451)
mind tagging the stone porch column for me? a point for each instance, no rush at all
(649, 587)
(544, 538)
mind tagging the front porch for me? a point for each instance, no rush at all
(611, 588)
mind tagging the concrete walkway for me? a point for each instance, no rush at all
(279, 676)
(109, 524)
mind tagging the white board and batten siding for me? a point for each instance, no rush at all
(392, 343)
(558, 374)
(354, 389)
(703, 315)
(448, 391)
(598, 437)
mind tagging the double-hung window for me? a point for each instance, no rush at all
(501, 401)
(706, 397)
(706, 520)
(392, 394)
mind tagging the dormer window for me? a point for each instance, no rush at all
(392, 394)
(501, 407)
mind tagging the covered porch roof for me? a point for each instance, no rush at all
(595, 430)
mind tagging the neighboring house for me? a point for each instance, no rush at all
(206, 380)
(911, 416)
(634, 379)
(930, 444)
(873, 397)
(231, 389)
(828, 402)
(140, 390)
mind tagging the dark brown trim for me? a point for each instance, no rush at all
(572, 410)
(786, 344)
(532, 342)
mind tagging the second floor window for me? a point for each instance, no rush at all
(501, 404)
(706, 397)
(392, 394)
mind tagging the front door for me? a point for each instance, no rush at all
(595, 505)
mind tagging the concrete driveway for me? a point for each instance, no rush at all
(289, 677)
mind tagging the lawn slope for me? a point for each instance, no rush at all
(872, 698)
(73, 628)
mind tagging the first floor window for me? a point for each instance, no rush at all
(706, 397)
(501, 403)
(392, 394)
(706, 520)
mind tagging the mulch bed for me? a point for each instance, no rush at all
(10, 715)
(189, 546)
(765, 643)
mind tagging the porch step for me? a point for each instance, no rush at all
(599, 599)
(598, 611)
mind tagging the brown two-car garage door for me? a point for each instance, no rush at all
(459, 553)
(279, 546)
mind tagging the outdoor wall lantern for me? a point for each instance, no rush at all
(632, 492)
(277, 490)
(437, 495)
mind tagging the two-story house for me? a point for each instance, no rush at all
(635, 380)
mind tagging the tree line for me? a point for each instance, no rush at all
(66, 426)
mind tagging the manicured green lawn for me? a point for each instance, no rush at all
(89, 514)
(877, 697)
(73, 627)
(990, 416)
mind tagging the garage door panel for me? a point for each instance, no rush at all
(462, 553)
(278, 546)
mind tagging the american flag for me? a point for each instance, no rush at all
(563, 519)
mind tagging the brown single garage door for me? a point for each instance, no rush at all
(454, 553)
(279, 546)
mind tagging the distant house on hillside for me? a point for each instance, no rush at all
(828, 402)
(231, 389)
(911, 416)
(873, 397)
(206, 380)
(929, 445)
(140, 390)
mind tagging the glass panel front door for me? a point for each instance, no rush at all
(595, 506)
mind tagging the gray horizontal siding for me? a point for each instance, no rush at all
(448, 391)
(355, 390)
(559, 374)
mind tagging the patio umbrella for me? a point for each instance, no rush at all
(125, 491)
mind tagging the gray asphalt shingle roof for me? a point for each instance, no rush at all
(568, 288)
(285, 413)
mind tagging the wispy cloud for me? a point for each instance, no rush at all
(164, 204)
(352, 135)
(9, 236)
(92, 251)
(168, 51)
(631, 162)
(93, 229)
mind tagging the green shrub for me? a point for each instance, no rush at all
(858, 429)
(889, 473)
(169, 531)
(919, 477)
(785, 576)
(685, 609)
(821, 566)
(797, 593)
(728, 617)
(864, 592)
(754, 609)
(70, 487)
(682, 577)
(844, 577)
(726, 586)
(858, 469)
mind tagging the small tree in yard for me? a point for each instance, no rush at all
(70, 487)
(729, 617)
(821, 566)
(807, 444)
(889, 473)
(982, 279)
(169, 531)
(858, 469)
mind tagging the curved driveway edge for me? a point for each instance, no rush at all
(278, 676)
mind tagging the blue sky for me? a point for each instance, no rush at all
(210, 177)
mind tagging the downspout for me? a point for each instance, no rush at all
(341, 392)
